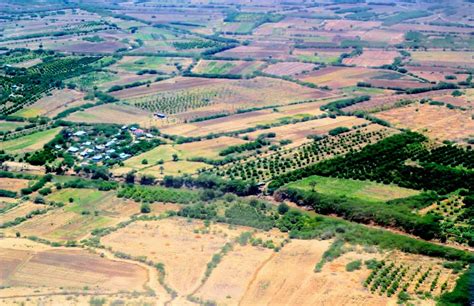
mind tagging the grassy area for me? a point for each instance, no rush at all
(218, 67)
(364, 190)
(30, 142)
(29, 112)
(150, 62)
(83, 199)
(9, 125)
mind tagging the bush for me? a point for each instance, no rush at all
(145, 208)
(353, 265)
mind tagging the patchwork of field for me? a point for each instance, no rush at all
(6, 126)
(437, 74)
(365, 190)
(439, 122)
(29, 143)
(89, 210)
(184, 247)
(20, 210)
(54, 103)
(372, 58)
(242, 121)
(259, 50)
(162, 65)
(326, 56)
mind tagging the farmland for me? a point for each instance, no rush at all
(215, 153)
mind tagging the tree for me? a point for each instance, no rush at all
(312, 184)
(145, 208)
(175, 157)
(283, 208)
(130, 177)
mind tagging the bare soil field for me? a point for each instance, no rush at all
(444, 58)
(389, 101)
(338, 77)
(347, 25)
(113, 113)
(51, 105)
(173, 242)
(372, 58)
(28, 266)
(436, 74)
(259, 50)
(439, 122)
(274, 283)
(288, 68)
(13, 184)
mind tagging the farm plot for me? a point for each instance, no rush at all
(317, 56)
(275, 283)
(13, 184)
(299, 132)
(6, 126)
(53, 104)
(30, 268)
(264, 167)
(20, 210)
(438, 122)
(113, 113)
(226, 96)
(89, 210)
(260, 50)
(437, 74)
(227, 67)
(372, 58)
(365, 190)
(443, 58)
(288, 68)
(338, 77)
(162, 65)
(29, 143)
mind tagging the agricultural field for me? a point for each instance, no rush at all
(216, 153)
(439, 122)
(29, 143)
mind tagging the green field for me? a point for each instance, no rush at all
(83, 199)
(9, 125)
(30, 142)
(364, 190)
(150, 62)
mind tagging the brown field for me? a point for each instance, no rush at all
(298, 132)
(13, 184)
(347, 25)
(260, 50)
(20, 210)
(51, 105)
(382, 35)
(173, 242)
(27, 265)
(114, 113)
(274, 282)
(436, 74)
(444, 58)
(389, 101)
(372, 58)
(288, 68)
(438, 122)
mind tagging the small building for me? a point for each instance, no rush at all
(73, 149)
(87, 143)
(139, 132)
(99, 147)
(97, 157)
(124, 155)
(159, 115)
(80, 133)
(148, 135)
(110, 143)
(110, 151)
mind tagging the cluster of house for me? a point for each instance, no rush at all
(99, 152)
